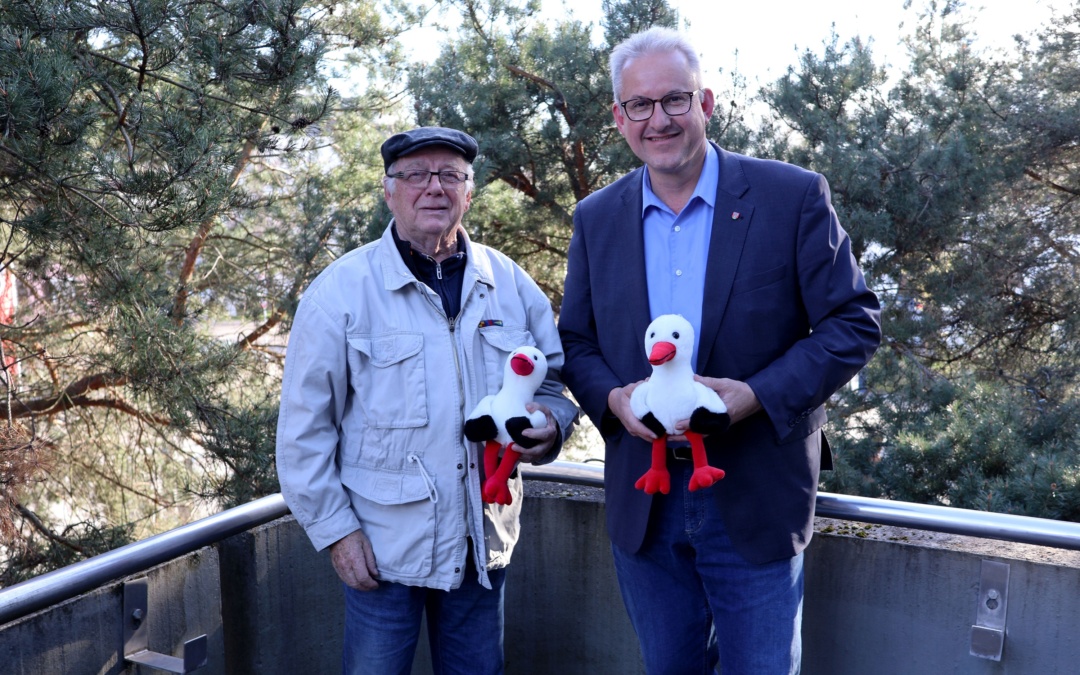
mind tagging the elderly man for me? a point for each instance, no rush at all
(752, 254)
(392, 345)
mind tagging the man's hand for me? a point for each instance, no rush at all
(354, 561)
(546, 435)
(618, 400)
(740, 399)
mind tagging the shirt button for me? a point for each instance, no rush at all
(457, 570)
(459, 466)
(678, 228)
(678, 273)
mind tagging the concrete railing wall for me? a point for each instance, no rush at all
(269, 604)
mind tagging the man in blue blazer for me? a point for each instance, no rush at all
(752, 253)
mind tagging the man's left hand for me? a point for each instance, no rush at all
(546, 435)
(740, 399)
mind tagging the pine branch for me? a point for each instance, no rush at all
(32, 518)
(195, 248)
(166, 80)
(1046, 181)
(73, 396)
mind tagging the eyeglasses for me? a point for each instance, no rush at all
(641, 109)
(420, 178)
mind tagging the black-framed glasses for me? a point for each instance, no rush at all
(675, 103)
(421, 178)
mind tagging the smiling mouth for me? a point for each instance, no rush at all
(660, 138)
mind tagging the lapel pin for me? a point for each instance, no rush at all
(735, 215)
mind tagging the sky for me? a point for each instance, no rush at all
(768, 35)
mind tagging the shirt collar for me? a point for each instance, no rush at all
(705, 188)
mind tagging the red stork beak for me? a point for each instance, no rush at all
(522, 365)
(662, 352)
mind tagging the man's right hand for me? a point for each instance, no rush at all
(354, 561)
(619, 402)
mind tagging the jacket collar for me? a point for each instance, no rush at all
(397, 274)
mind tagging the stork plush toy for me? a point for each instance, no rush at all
(672, 394)
(499, 419)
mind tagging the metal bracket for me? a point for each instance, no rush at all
(136, 632)
(988, 633)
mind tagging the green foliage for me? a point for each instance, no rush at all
(163, 203)
(966, 222)
(956, 179)
(538, 99)
(172, 177)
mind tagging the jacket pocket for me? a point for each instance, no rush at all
(759, 280)
(496, 344)
(397, 513)
(387, 374)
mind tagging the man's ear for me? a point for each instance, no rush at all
(620, 117)
(708, 102)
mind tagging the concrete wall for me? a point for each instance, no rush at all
(85, 634)
(872, 606)
(892, 608)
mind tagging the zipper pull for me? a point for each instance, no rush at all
(438, 271)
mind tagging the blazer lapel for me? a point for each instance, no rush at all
(731, 220)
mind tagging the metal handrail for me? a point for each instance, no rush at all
(67, 582)
(59, 585)
(1019, 529)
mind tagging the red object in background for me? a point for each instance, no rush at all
(9, 302)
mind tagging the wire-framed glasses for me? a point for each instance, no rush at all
(420, 178)
(675, 103)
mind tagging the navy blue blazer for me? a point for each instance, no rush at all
(786, 310)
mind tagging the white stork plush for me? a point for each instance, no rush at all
(499, 419)
(672, 394)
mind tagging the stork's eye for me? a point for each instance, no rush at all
(535, 358)
(652, 334)
(675, 335)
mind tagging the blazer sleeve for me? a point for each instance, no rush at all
(551, 392)
(586, 372)
(843, 313)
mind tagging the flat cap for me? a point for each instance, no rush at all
(408, 142)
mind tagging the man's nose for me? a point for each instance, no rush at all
(659, 118)
(434, 184)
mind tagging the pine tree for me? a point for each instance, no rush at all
(150, 156)
(958, 184)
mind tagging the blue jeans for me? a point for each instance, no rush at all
(465, 627)
(694, 601)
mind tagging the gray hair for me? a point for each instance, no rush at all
(656, 39)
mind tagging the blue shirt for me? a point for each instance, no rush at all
(677, 248)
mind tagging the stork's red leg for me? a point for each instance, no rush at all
(491, 458)
(704, 475)
(657, 478)
(496, 489)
